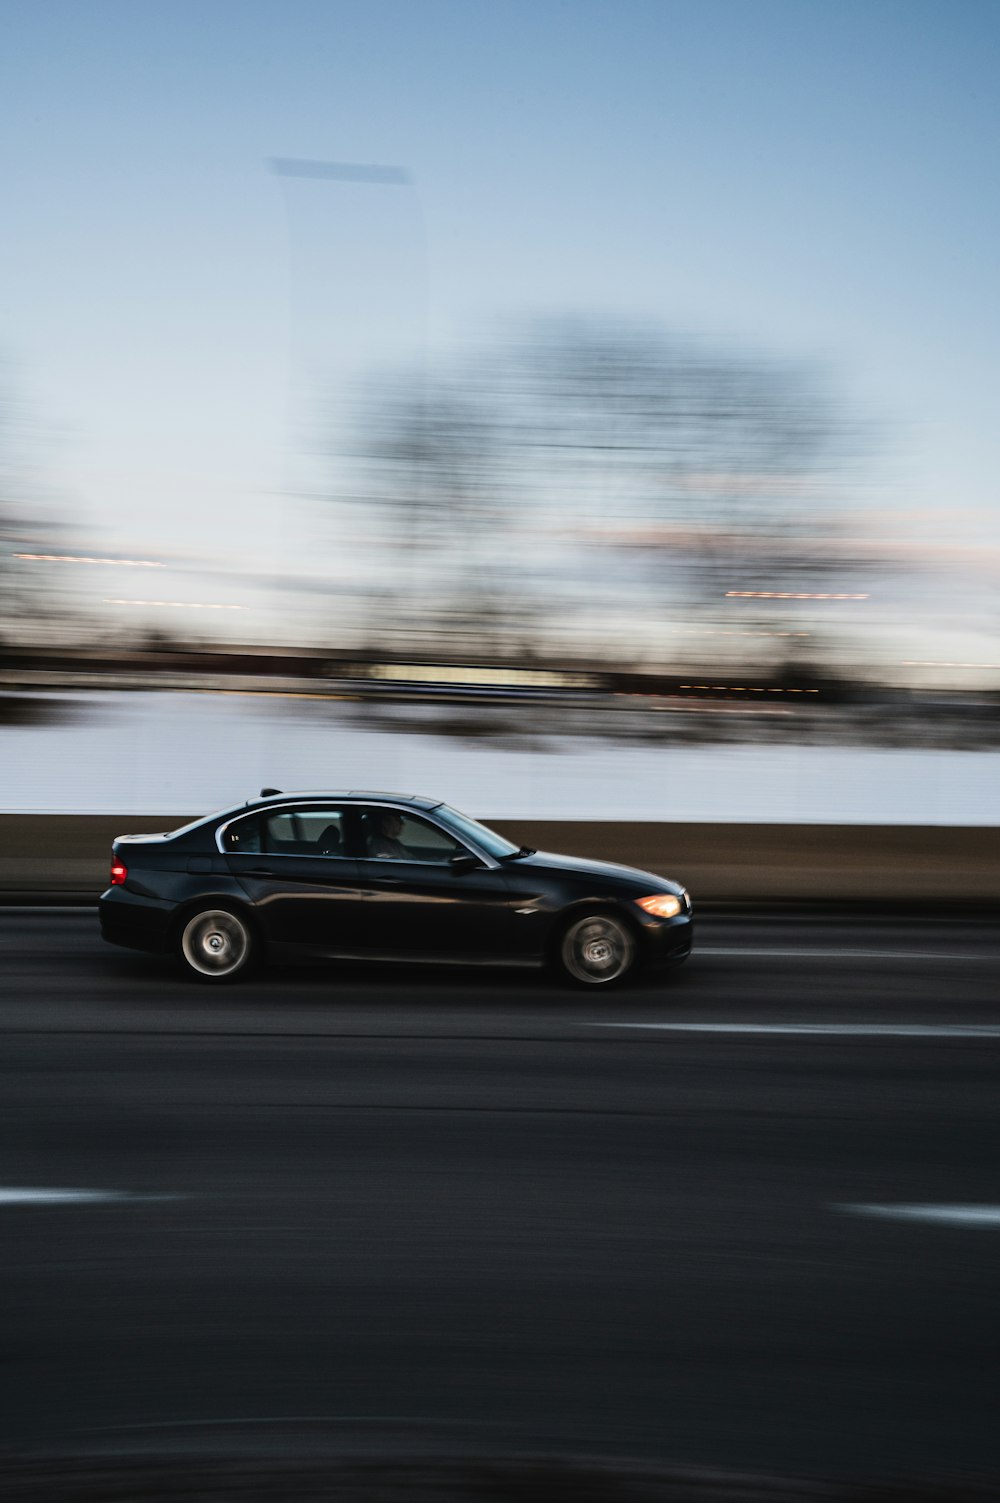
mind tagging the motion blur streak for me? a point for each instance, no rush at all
(339, 172)
(986, 1218)
(189, 605)
(65, 558)
(26, 1197)
(585, 413)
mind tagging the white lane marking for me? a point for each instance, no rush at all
(88, 909)
(842, 1030)
(807, 954)
(940, 1215)
(293, 1419)
(24, 1197)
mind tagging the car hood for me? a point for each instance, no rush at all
(604, 870)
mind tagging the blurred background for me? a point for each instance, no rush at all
(534, 381)
(584, 412)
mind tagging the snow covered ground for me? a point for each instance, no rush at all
(187, 753)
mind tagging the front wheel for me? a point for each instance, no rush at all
(597, 950)
(216, 944)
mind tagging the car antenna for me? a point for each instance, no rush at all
(269, 792)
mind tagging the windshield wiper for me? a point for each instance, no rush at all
(526, 850)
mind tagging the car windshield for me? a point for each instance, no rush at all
(486, 839)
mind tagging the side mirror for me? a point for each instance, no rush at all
(464, 861)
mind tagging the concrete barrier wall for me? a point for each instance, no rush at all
(68, 855)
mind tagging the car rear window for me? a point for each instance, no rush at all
(242, 835)
(304, 832)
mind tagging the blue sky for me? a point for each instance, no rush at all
(820, 178)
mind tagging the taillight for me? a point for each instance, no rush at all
(118, 873)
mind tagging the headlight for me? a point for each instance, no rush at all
(661, 905)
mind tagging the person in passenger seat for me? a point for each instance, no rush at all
(329, 842)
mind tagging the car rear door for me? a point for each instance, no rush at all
(419, 902)
(292, 863)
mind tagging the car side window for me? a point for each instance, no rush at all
(305, 832)
(394, 835)
(243, 835)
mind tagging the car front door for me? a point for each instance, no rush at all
(426, 894)
(293, 864)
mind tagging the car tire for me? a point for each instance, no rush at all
(596, 949)
(216, 944)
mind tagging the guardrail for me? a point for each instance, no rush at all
(67, 855)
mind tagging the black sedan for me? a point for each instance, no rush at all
(377, 875)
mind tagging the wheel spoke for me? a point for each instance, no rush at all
(597, 949)
(215, 942)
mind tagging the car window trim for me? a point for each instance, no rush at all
(484, 856)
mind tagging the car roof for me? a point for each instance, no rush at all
(276, 800)
(342, 795)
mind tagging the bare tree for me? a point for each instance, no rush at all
(585, 469)
(31, 604)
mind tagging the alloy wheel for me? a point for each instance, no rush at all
(216, 943)
(597, 950)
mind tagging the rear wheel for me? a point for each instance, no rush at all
(217, 945)
(597, 949)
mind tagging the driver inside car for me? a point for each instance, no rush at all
(386, 842)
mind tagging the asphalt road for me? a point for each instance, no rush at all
(708, 1220)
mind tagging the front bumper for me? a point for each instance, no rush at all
(667, 942)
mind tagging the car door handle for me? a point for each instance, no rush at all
(260, 871)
